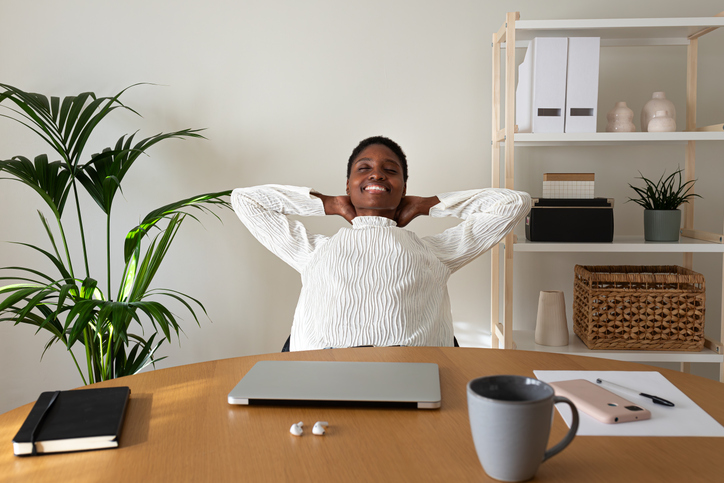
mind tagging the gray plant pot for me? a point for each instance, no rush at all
(662, 225)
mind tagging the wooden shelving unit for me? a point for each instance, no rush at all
(613, 32)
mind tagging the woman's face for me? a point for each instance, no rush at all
(376, 184)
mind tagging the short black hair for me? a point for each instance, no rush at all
(394, 147)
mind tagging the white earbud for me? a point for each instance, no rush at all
(319, 426)
(296, 429)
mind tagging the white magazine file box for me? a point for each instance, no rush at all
(582, 84)
(541, 91)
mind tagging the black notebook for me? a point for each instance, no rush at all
(79, 420)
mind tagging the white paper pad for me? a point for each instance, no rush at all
(686, 419)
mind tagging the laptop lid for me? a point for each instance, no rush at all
(333, 383)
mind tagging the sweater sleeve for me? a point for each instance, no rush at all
(265, 211)
(488, 215)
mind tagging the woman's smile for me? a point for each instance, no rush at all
(375, 188)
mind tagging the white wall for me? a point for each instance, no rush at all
(286, 89)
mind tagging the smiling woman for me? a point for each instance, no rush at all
(376, 283)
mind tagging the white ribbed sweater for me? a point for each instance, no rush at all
(375, 283)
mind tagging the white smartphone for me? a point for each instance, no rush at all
(600, 403)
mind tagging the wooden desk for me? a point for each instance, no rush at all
(179, 427)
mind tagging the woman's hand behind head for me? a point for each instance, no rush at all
(413, 206)
(338, 205)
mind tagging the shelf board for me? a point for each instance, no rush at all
(622, 244)
(618, 31)
(525, 340)
(614, 138)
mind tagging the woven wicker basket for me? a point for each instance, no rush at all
(639, 307)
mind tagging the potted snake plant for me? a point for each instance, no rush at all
(661, 201)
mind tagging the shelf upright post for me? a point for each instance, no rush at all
(511, 18)
(691, 81)
(721, 333)
(495, 183)
(690, 157)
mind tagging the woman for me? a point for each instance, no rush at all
(376, 283)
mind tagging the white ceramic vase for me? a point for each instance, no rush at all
(551, 327)
(620, 119)
(661, 122)
(658, 102)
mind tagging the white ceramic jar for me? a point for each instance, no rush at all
(551, 326)
(661, 122)
(620, 119)
(658, 102)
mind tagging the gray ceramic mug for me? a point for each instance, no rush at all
(510, 418)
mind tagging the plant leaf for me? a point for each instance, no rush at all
(200, 202)
(103, 174)
(34, 108)
(137, 361)
(51, 181)
(666, 194)
(58, 264)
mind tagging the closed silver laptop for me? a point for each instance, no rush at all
(333, 383)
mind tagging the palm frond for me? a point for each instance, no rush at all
(103, 174)
(182, 298)
(146, 270)
(160, 316)
(34, 114)
(56, 261)
(51, 180)
(200, 202)
(29, 270)
(89, 118)
(137, 360)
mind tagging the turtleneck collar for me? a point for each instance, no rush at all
(370, 221)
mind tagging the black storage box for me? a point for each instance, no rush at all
(570, 220)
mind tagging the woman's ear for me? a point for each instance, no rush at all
(347, 187)
(404, 190)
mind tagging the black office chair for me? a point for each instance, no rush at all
(286, 344)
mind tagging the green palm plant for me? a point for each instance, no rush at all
(70, 304)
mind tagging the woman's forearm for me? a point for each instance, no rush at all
(265, 211)
(337, 205)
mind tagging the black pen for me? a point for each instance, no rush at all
(655, 399)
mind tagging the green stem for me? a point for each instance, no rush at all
(98, 356)
(109, 359)
(80, 225)
(101, 358)
(88, 350)
(108, 252)
(78, 367)
(65, 246)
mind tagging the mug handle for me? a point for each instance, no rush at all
(571, 432)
